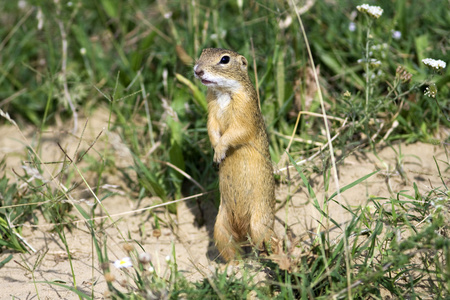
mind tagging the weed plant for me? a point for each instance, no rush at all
(60, 60)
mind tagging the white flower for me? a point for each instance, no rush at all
(123, 263)
(431, 91)
(151, 269)
(373, 11)
(40, 18)
(375, 63)
(168, 258)
(240, 3)
(372, 62)
(83, 51)
(438, 203)
(145, 257)
(372, 76)
(434, 63)
(283, 24)
(22, 4)
(379, 47)
(221, 35)
(352, 26)
(396, 35)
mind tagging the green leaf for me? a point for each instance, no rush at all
(281, 80)
(6, 260)
(199, 97)
(356, 182)
(110, 7)
(176, 157)
(422, 44)
(148, 180)
(339, 69)
(70, 288)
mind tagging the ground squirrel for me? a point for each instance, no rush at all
(238, 135)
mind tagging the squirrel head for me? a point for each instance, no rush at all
(222, 69)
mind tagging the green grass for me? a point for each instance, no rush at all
(135, 58)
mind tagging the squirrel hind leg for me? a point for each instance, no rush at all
(261, 231)
(225, 237)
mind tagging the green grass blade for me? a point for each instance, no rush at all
(354, 183)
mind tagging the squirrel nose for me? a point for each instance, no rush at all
(199, 72)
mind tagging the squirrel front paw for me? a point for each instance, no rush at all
(219, 154)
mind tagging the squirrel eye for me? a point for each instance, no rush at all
(225, 59)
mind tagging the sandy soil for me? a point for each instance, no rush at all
(195, 252)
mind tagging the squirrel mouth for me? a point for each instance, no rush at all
(206, 82)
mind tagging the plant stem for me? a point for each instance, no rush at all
(367, 69)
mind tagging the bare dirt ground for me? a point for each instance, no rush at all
(195, 252)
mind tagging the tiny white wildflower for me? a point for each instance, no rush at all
(434, 63)
(83, 51)
(216, 36)
(379, 47)
(373, 11)
(168, 258)
(151, 269)
(396, 35)
(375, 63)
(22, 4)
(40, 18)
(352, 26)
(372, 62)
(240, 3)
(123, 263)
(372, 75)
(145, 257)
(431, 91)
(437, 203)
(168, 15)
(283, 24)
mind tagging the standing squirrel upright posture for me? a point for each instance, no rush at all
(238, 135)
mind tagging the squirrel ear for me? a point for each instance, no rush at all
(244, 63)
